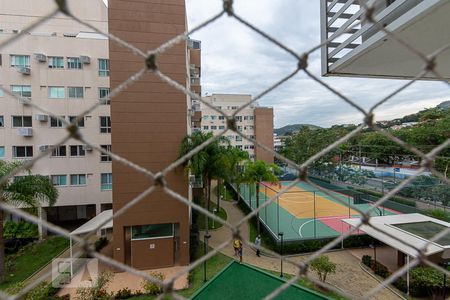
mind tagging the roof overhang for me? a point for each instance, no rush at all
(382, 228)
(93, 223)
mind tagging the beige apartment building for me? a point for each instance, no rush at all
(63, 67)
(253, 121)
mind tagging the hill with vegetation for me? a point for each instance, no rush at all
(290, 129)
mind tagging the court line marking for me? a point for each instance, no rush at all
(307, 222)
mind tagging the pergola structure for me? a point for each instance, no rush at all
(409, 232)
(90, 226)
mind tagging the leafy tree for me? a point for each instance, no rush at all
(232, 160)
(441, 193)
(25, 191)
(323, 266)
(432, 114)
(257, 172)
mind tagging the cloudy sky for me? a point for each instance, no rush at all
(237, 60)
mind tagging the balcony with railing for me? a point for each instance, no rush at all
(358, 47)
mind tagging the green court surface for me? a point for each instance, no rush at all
(308, 213)
(241, 281)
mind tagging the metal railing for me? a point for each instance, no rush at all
(301, 66)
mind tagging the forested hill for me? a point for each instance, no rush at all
(290, 129)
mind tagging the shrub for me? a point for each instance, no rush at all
(400, 284)
(22, 229)
(438, 214)
(97, 291)
(380, 269)
(403, 201)
(124, 293)
(426, 281)
(367, 260)
(100, 243)
(323, 266)
(43, 291)
(153, 288)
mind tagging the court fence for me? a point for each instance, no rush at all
(366, 17)
(364, 197)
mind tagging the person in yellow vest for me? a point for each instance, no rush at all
(237, 244)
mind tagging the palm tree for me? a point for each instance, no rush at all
(231, 172)
(24, 191)
(257, 172)
(206, 164)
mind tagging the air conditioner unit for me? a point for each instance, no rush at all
(88, 148)
(25, 131)
(24, 70)
(41, 118)
(85, 60)
(40, 57)
(43, 148)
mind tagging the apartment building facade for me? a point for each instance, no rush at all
(62, 66)
(253, 121)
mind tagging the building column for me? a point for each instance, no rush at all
(400, 259)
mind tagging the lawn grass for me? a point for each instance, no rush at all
(212, 224)
(31, 258)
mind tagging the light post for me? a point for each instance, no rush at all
(225, 192)
(214, 221)
(281, 234)
(374, 247)
(205, 243)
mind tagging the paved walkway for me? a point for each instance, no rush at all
(349, 276)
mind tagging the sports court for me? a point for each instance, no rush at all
(241, 281)
(305, 212)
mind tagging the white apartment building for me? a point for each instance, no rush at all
(63, 67)
(211, 121)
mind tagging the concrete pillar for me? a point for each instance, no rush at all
(400, 259)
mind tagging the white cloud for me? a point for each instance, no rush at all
(238, 60)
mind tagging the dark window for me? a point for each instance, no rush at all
(152, 231)
(105, 157)
(77, 150)
(80, 122)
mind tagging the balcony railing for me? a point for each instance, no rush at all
(343, 25)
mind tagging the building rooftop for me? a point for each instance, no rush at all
(408, 229)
